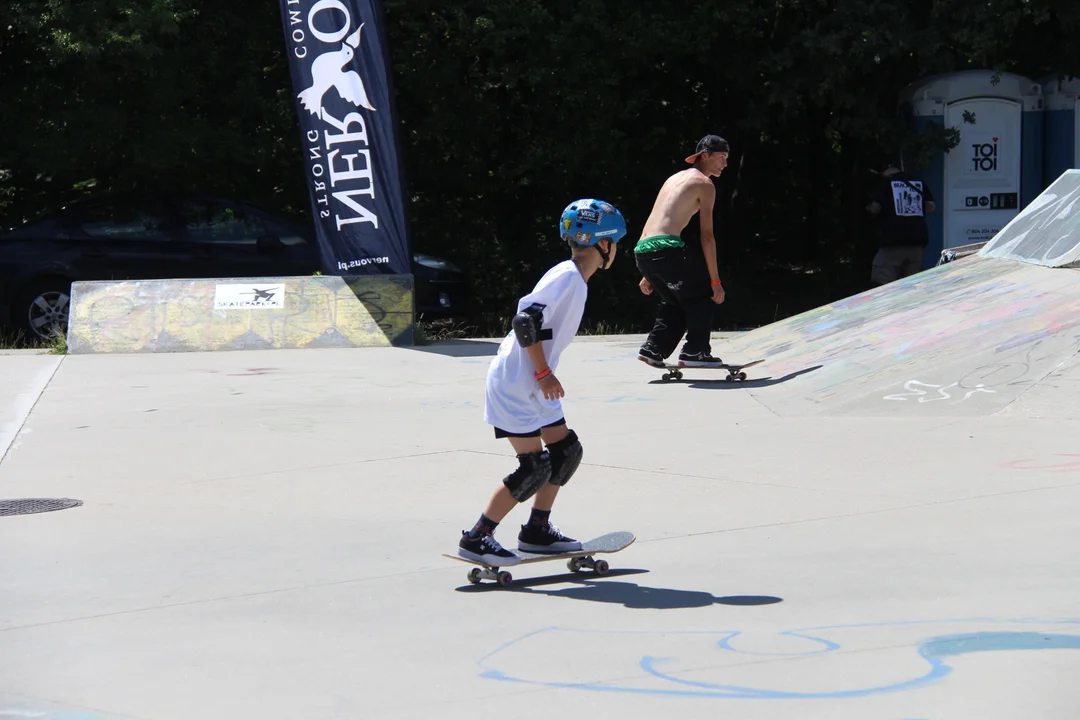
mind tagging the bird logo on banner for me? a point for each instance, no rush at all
(328, 71)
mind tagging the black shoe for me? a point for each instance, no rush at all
(647, 355)
(485, 549)
(701, 359)
(545, 540)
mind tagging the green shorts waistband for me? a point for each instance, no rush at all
(658, 242)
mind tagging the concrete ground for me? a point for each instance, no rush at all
(261, 536)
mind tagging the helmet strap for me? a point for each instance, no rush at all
(604, 255)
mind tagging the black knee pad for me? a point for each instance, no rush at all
(532, 474)
(565, 457)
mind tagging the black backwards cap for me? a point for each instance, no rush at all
(709, 143)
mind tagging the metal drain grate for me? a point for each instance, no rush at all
(29, 506)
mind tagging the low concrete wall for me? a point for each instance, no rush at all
(193, 315)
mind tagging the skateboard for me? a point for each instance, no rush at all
(576, 560)
(735, 372)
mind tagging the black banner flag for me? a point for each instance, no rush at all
(341, 73)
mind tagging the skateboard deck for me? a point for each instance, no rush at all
(576, 559)
(735, 372)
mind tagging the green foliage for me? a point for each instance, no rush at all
(509, 109)
(142, 94)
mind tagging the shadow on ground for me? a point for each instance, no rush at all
(460, 348)
(627, 594)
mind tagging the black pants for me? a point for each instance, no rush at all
(686, 304)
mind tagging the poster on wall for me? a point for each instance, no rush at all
(249, 297)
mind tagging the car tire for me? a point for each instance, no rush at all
(42, 306)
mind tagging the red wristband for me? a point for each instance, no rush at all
(715, 282)
(542, 375)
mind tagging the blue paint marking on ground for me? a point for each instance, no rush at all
(937, 670)
(933, 650)
(950, 645)
(829, 646)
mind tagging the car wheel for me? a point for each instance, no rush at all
(41, 308)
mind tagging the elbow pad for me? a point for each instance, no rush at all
(527, 325)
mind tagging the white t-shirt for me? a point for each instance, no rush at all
(514, 401)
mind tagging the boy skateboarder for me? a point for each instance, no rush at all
(522, 397)
(687, 295)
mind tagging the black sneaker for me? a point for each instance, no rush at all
(701, 359)
(485, 549)
(650, 356)
(545, 540)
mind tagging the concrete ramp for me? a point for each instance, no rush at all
(965, 338)
(240, 314)
(1055, 397)
(1047, 232)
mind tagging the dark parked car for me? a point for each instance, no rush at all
(155, 237)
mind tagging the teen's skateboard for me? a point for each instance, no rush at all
(576, 559)
(735, 372)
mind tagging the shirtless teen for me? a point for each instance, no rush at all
(686, 296)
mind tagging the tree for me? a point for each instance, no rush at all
(509, 109)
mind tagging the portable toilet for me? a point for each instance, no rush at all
(1062, 147)
(995, 170)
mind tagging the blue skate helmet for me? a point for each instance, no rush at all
(584, 223)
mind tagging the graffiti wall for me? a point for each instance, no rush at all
(966, 337)
(240, 314)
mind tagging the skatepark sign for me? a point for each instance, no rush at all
(249, 297)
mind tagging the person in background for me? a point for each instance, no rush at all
(687, 295)
(900, 203)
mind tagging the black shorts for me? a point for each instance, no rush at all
(500, 433)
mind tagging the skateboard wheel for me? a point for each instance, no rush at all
(574, 564)
(601, 567)
(505, 578)
(730, 378)
(678, 375)
(742, 376)
(474, 576)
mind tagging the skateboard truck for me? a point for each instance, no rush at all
(488, 573)
(600, 567)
